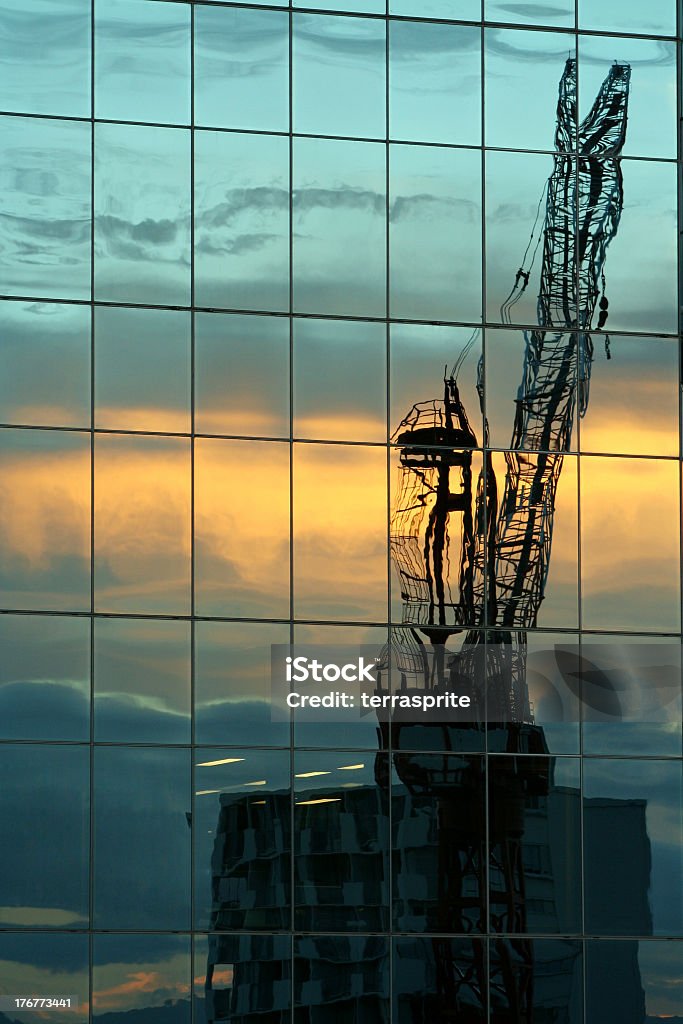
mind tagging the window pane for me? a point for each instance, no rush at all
(47, 964)
(142, 61)
(45, 57)
(142, 681)
(44, 871)
(340, 380)
(341, 842)
(44, 677)
(241, 221)
(45, 190)
(635, 806)
(435, 233)
(339, 227)
(560, 13)
(45, 519)
(233, 394)
(340, 532)
(142, 524)
(523, 73)
(241, 68)
(233, 683)
(363, 6)
(435, 81)
(142, 838)
(339, 85)
(625, 583)
(142, 369)
(420, 965)
(139, 974)
(142, 211)
(657, 17)
(45, 364)
(465, 10)
(236, 971)
(347, 975)
(652, 95)
(545, 975)
(633, 406)
(242, 822)
(242, 528)
(622, 975)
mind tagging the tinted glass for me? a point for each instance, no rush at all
(633, 406)
(341, 842)
(421, 967)
(242, 528)
(59, 82)
(44, 677)
(241, 68)
(339, 83)
(232, 683)
(142, 838)
(142, 524)
(623, 975)
(142, 61)
(435, 233)
(242, 821)
(339, 380)
(559, 14)
(339, 227)
(45, 222)
(658, 18)
(340, 530)
(45, 519)
(453, 9)
(46, 965)
(545, 974)
(45, 364)
(121, 962)
(142, 369)
(523, 71)
(241, 221)
(232, 968)
(142, 681)
(624, 584)
(44, 876)
(348, 975)
(363, 6)
(634, 805)
(434, 78)
(241, 364)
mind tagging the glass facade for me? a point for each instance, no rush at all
(343, 323)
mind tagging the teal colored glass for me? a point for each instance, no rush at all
(339, 227)
(45, 208)
(658, 17)
(241, 221)
(435, 83)
(142, 214)
(651, 129)
(162, 960)
(435, 233)
(241, 68)
(142, 61)
(523, 72)
(339, 76)
(45, 57)
(623, 974)
(49, 955)
(558, 14)
(354, 6)
(45, 364)
(449, 10)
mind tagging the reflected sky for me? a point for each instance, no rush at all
(554, 13)
(141, 972)
(657, 17)
(469, 10)
(46, 965)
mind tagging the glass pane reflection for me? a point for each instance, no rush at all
(236, 976)
(559, 14)
(544, 975)
(434, 978)
(633, 979)
(138, 974)
(466, 10)
(142, 61)
(142, 838)
(44, 869)
(241, 68)
(242, 827)
(142, 524)
(45, 219)
(45, 519)
(142, 681)
(142, 369)
(44, 677)
(656, 18)
(58, 82)
(339, 380)
(435, 233)
(344, 977)
(142, 214)
(46, 965)
(242, 528)
(45, 364)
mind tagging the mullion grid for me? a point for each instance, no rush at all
(291, 439)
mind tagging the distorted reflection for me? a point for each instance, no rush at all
(47, 964)
(138, 978)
